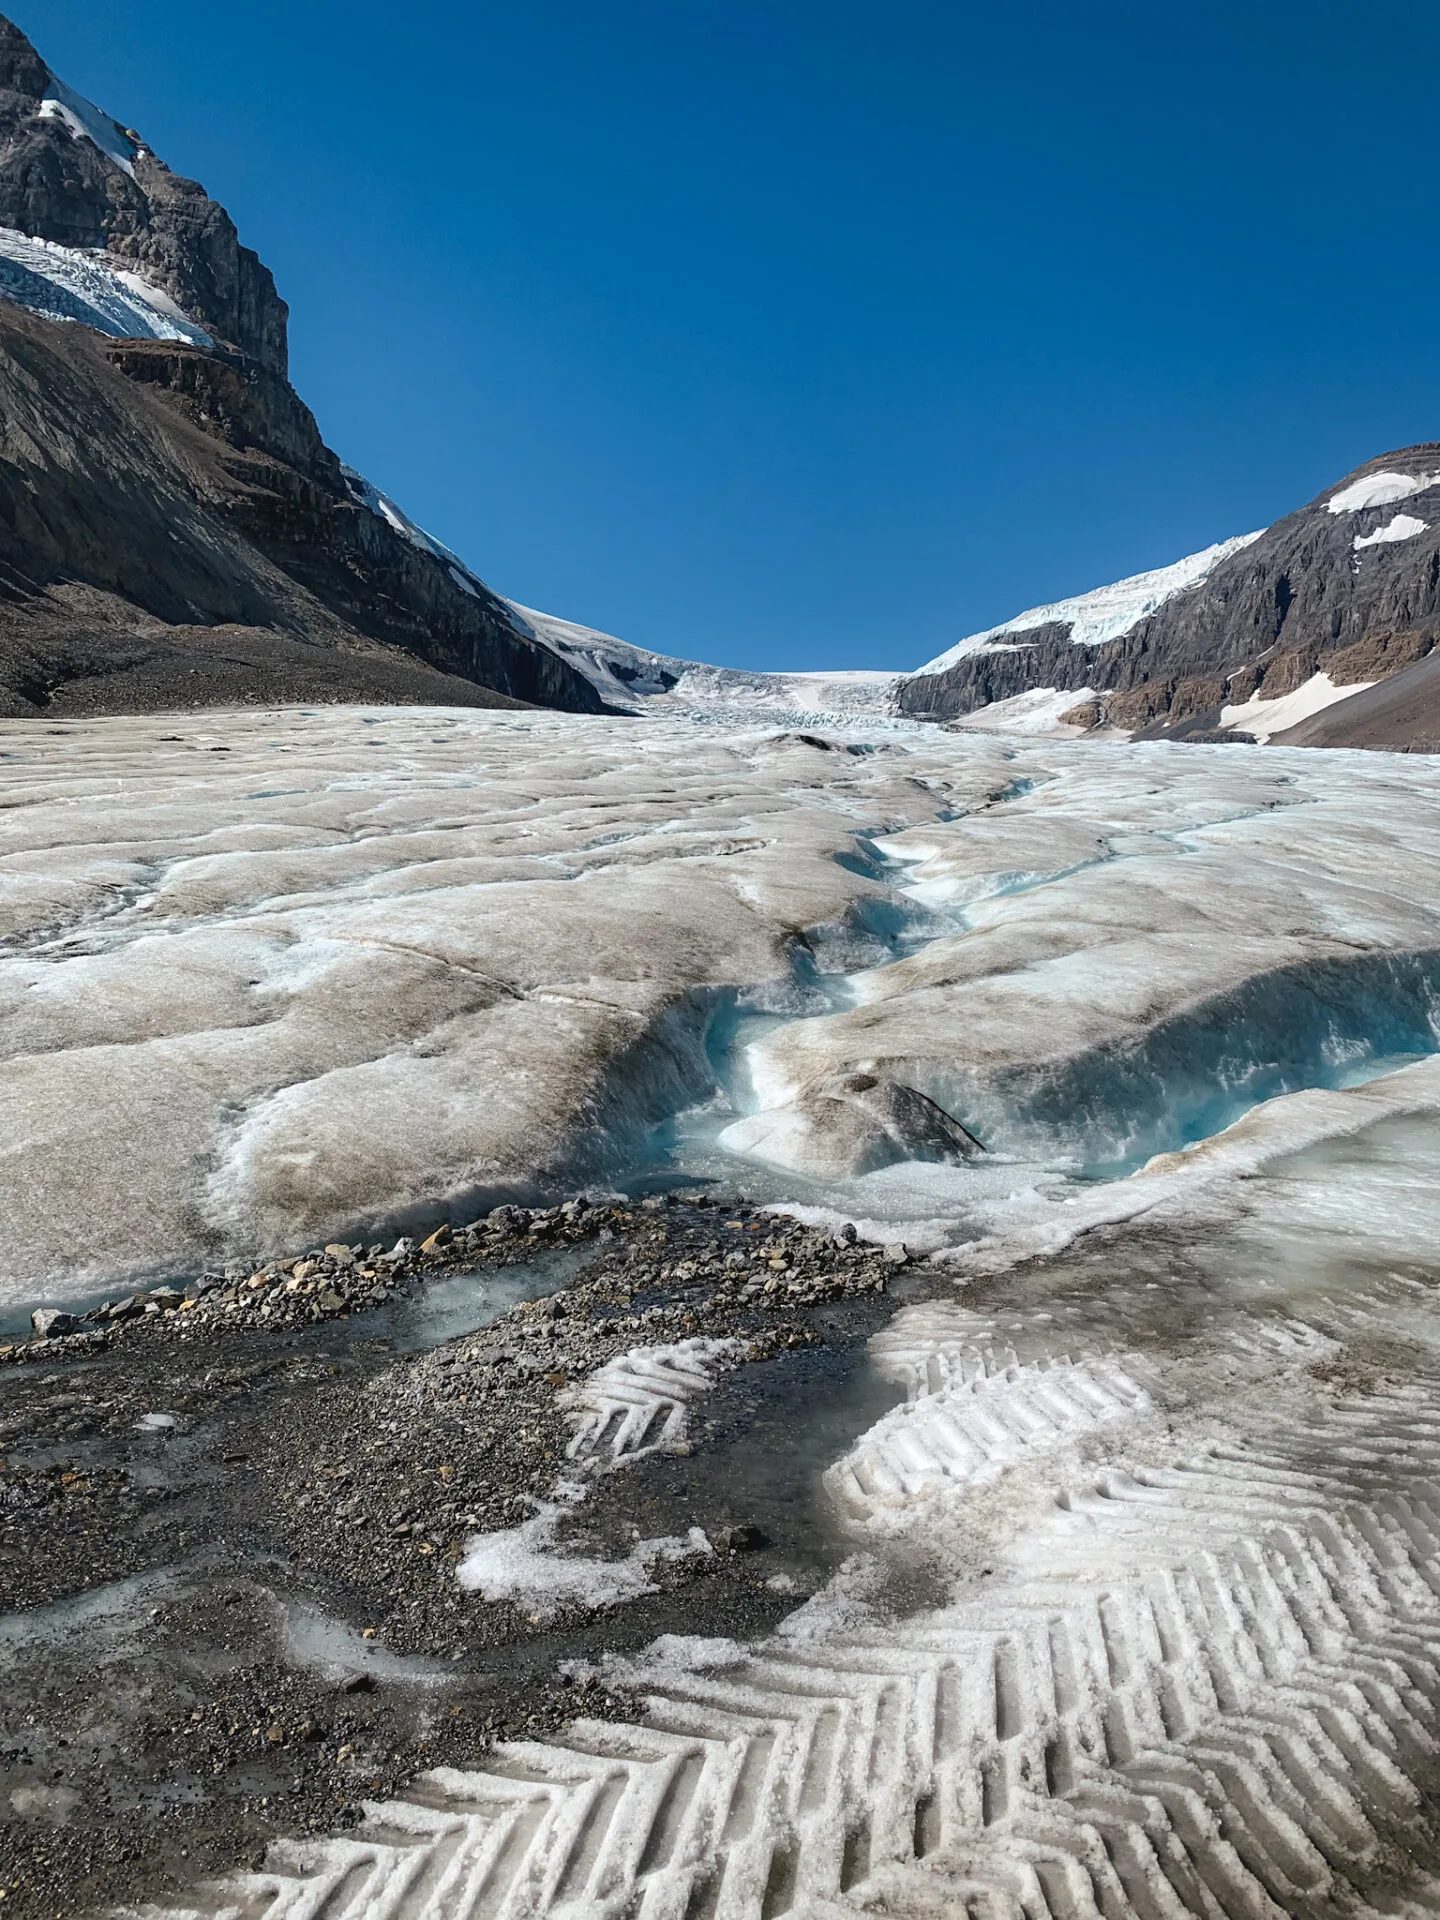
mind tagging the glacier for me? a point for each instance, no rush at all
(87, 286)
(1105, 613)
(1137, 1609)
(352, 969)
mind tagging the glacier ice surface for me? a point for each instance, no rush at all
(1167, 1455)
(342, 971)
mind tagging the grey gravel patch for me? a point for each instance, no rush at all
(242, 1624)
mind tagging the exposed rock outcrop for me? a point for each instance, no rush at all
(174, 530)
(175, 533)
(1348, 586)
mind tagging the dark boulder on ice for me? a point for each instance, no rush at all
(49, 1322)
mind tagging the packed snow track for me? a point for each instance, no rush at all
(1179, 1513)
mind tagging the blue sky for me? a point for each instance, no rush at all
(818, 335)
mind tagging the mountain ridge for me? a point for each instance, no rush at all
(176, 531)
(1348, 582)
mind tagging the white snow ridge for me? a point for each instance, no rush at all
(633, 680)
(1380, 490)
(1106, 612)
(86, 122)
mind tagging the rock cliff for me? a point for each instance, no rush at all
(174, 530)
(59, 182)
(1348, 587)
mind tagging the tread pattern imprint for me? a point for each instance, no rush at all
(1185, 1658)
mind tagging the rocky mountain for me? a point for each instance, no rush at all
(1319, 630)
(174, 529)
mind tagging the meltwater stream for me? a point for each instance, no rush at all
(1176, 1650)
(1331, 1024)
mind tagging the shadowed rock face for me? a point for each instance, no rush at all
(174, 532)
(1299, 600)
(59, 187)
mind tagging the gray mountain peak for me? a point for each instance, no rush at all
(72, 175)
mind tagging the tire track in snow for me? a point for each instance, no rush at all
(639, 1402)
(1204, 1677)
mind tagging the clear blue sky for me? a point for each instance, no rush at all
(818, 334)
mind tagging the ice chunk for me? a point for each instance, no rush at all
(526, 1566)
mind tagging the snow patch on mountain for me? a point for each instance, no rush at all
(87, 122)
(1403, 527)
(71, 283)
(1263, 718)
(367, 495)
(1380, 490)
(1105, 613)
(1035, 713)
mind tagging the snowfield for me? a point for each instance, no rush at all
(1262, 718)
